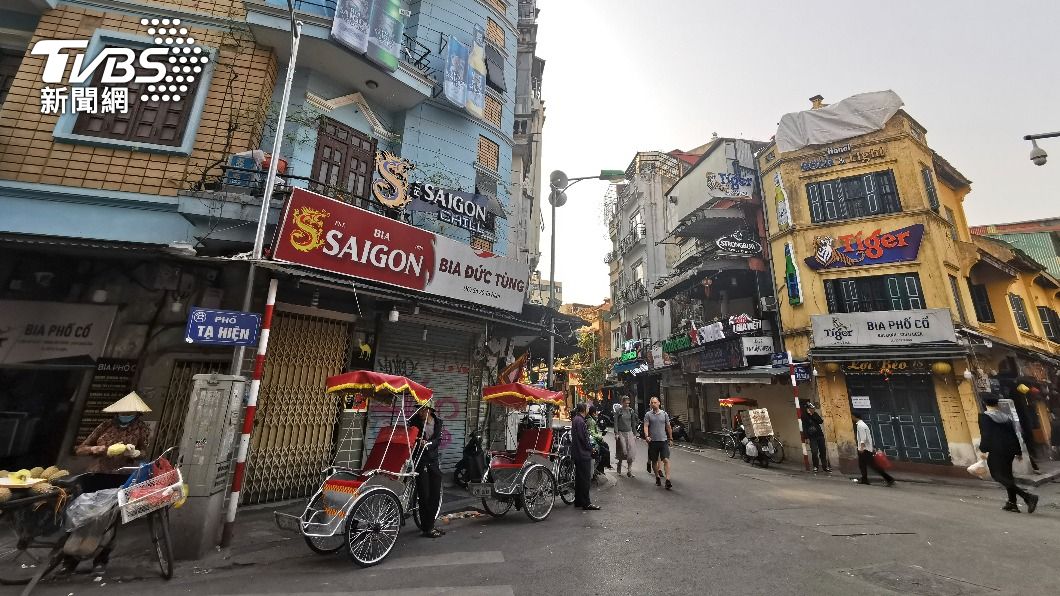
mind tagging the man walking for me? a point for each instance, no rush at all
(867, 451)
(813, 426)
(659, 435)
(582, 454)
(624, 445)
(1000, 446)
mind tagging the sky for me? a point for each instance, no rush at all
(623, 76)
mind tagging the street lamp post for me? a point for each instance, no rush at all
(1038, 155)
(559, 183)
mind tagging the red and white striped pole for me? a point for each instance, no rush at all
(248, 415)
(798, 414)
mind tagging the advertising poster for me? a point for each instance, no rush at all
(476, 74)
(350, 27)
(780, 197)
(55, 333)
(455, 86)
(329, 235)
(866, 248)
(386, 33)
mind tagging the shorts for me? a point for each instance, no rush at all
(658, 450)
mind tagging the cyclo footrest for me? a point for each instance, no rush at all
(286, 521)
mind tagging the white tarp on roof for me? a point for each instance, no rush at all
(855, 115)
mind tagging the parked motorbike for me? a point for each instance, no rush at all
(473, 464)
(678, 428)
(757, 450)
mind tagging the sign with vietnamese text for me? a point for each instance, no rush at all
(725, 355)
(53, 333)
(860, 249)
(330, 235)
(743, 323)
(887, 368)
(860, 402)
(677, 343)
(464, 209)
(757, 346)
(883, 328)
(758, 423)
(222, 327)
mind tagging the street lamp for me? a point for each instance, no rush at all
(1038, 155)
(559, 182)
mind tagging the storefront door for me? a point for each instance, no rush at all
(903, 415)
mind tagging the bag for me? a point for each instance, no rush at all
(882, 461)
(751, 450)
(979, 469)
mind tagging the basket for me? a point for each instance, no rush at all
(161, 490)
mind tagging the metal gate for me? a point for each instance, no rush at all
(441, 360)
(175, 402)
(904, 416)
(293, 431)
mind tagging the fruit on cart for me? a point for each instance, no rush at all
(59, 474)
(132, 451)
(116, 449)
(5, 494)
(19, 477)
(41, 488)
(49, 472)
(36, 472)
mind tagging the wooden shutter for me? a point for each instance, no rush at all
(343, 162)
(493, 111)
(488, 154)
(494, 33)
(9, 63)
(813, 195)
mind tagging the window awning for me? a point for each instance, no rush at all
(925, 351)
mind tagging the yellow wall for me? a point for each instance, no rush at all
(242, 82)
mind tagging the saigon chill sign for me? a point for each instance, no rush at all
(326, 234)
(874, 248)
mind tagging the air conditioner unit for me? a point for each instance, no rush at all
(768, 303)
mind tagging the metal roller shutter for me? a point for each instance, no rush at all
(675, 402)
(442, 363)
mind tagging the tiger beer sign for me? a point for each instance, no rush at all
(866, 248)
(329, 235)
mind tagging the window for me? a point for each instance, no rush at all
(500, 5)
(636, 224)
(494, 68)
(929, 186)
(854, 196)
(956, 289)
(638, 271)
(493, 112)
(9, 63)
(494, 33)
(950, 217)
(1050, 323)
(876, 292)
(343, 162)
(981, 302)
(1020, 312)
(489, 154)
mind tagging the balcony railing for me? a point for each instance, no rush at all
(633, 238)
(612, 226)
(634, 293)
(610, 256)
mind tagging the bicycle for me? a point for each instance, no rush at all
(777, 455)
(32, 538)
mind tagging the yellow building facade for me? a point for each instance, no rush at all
(885, 286)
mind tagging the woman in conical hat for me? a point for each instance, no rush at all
(120, 440)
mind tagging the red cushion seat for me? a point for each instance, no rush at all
(538, 439)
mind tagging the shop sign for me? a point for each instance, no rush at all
(628, 356)
(861, 249)
(329, 235)
(723, 185)
(727, 355)
(757, 346)
(740, 243)
(860, 402)
(56, 333)
(743, 323)
(759, 424)
(709, 333)
(883, 328)
(779, 358)
(677, 343)
(887, 367)
(222, 327)
(841, 155)
(464, 209)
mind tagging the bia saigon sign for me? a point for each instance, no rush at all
(859, 249)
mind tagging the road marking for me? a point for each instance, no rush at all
(444, 559)
(435, 591)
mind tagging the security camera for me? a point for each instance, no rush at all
(1038, 155)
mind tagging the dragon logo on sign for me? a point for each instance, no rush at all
(310, 224)
(393, 190)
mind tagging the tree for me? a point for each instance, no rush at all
(593, 370)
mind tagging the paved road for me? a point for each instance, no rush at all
(726, 528)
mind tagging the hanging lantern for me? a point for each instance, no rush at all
(832, 367)
(1023, 389)
(941, 368)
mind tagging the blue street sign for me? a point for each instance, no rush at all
(222, 327)
(780, 359)
(802, 372)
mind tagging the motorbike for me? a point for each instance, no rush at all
(473, 464)
(756, 449)
(678, 428)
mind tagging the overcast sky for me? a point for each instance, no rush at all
(634, 75)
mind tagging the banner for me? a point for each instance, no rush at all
(329, 235)
(350, 26)
(883, 328)
(476, 74)
(455, 86)
(386, 33)
(860, 248)
(56, 333)
(780, 198)
(724, 185)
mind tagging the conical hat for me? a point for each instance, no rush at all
(129, 403)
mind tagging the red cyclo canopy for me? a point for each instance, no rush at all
(737, 401)
(378, 383)
(517, 395)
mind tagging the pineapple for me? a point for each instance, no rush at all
(49, 472)
(5, 494)
(36, 472)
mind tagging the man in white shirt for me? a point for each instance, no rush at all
(866, 451)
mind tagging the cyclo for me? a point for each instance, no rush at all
(530, 477)
(364, 508)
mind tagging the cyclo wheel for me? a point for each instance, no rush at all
(728, 443)
(163, 544)
(417, 508)
(539, 493)
(494, 507)
(777, 456)
(565, 482)
(372, 527)
(323, 545)
(24, 556)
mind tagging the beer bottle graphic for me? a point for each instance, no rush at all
(350, 27)
(385, 33)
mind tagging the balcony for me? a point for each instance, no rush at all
(407, 86)
(611, 256)
(634, 293)
(612, 226)
(632, 239)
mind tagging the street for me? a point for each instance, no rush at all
(725, 528)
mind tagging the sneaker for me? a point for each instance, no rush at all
(658, 480)
(828, 470)
(629, 474)
(815, 470)
(1032, 503)
(1011, 507)
(669, 485)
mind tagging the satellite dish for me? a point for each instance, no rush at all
(558, 179)
(557, 198)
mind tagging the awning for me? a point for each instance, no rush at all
(925, 351)
(682, 281)
(622, 367)
(759, 375)
(1023, 351)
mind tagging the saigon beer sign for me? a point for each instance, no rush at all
(866, 248)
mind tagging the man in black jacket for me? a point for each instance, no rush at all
(429, 474)
(582, 454)
(1000, 445)
(813, 426)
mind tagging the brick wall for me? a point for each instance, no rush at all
(239, 93)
